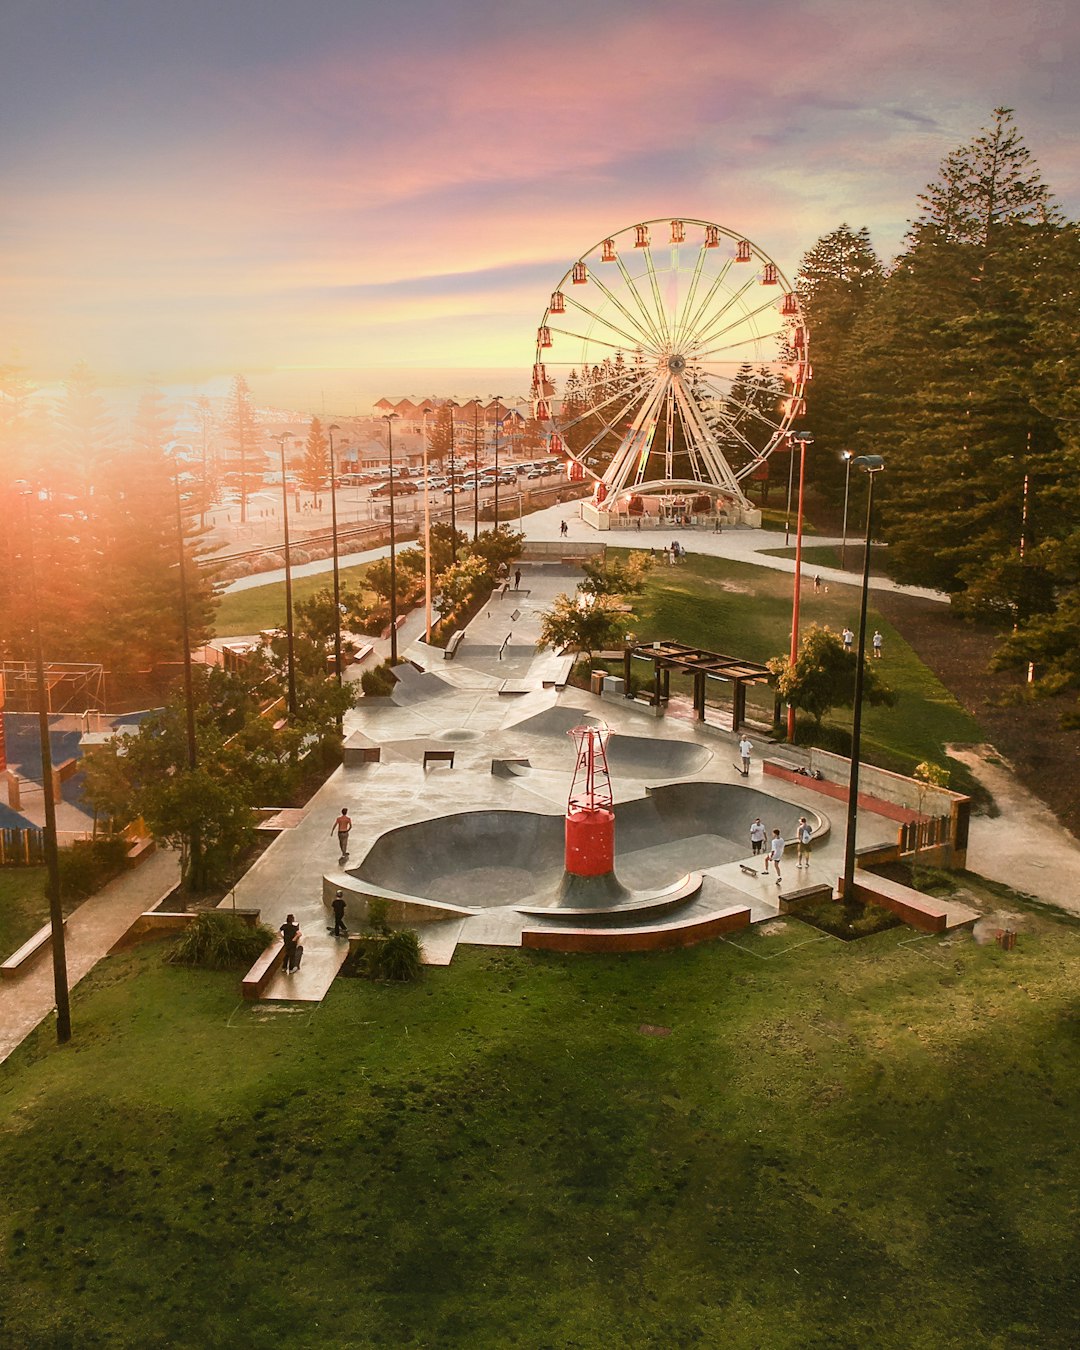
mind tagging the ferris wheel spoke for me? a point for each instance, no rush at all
(586, 338)
(629, 340)
(698, 433)
(717, 282)
(691, 292)
(645, 334)
(657, 298)
(711, 336)
(733, 346)
(639, 300)
(631, 392)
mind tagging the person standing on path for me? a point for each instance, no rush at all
(339, 915)
(878, 643)
(564, 529)
(291, 935)
(775, 853)
(848, 638)
(745, 747)
(803, 835)
(517, 579)
(343, 825)
(757, 836)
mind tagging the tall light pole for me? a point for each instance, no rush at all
(388, 418)
(337, 569)
(873, 464)
(497, 398)
(52, 850)
(453, 492)
(790, 475)
(195, 848)
(803, 439)
(427, 539)
(281, 438)
(476, 469)
(847, 456)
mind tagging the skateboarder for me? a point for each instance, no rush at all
(291, 934)
(775, 853)
(339, 915)
(757, 836)
(745, 747)
(343, 825)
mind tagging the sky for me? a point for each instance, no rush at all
(319, 192)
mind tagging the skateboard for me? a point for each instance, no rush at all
(739, 770)
(749, 871)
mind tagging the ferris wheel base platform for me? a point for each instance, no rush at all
(601, 519)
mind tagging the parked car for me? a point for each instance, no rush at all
(402, 488)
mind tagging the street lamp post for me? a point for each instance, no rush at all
(453, 493)
(803, 439)
(847, 456)
(873, 464)
(497, 398)
(281, 438)
(790, 475)
(52, 851)
(337, 568)
(427, 538)
(388, 418)
(476, 469)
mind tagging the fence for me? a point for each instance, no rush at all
(22, 848)
(927, 832)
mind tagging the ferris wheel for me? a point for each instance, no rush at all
(672, 357)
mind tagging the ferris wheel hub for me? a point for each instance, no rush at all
(676, 364)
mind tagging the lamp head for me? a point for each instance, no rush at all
(333, 427)
(871, 463)
(847, 456)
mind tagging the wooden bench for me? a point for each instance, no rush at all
(25, 954)
(455, 642)
(438, 757)
(263, 971)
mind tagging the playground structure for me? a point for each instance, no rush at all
(671, 361)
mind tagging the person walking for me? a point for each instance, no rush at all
(517, 579)
(817, 584)
(564, 529)
(291, 935)
(745, 747)
(848, 637)
(878, 642)
(803, 836)
(757, 836)
(775, 853)
(338, 907)
(343, 825)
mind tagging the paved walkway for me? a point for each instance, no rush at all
(92, 930)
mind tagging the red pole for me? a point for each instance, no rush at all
(798, 585)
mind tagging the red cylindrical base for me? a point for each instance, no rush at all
(590, 842)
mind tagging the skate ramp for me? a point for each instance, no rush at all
(417, 686)
(646, 757)
(485, 859)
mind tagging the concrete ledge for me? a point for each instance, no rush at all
(920, 911)
(792, 901)
(263, 971)
(450, 650)
(652, 938)
(775, 768)
(406, 909)
(157, 923)
(23, 956)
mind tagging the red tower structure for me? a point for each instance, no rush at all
(590, 813)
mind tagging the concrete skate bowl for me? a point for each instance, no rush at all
(547, 743)
(488, 859)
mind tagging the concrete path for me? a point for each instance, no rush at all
(91, 932)
(1026, 846)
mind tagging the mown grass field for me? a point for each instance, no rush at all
(837, 1145)
(745, 611)
(23, 906)
(241, 613)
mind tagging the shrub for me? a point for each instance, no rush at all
(396, 956)
(87, 865)
(379, 681)
(378, 915)
(218, 940)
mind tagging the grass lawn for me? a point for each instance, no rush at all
(838, 1145)
(243, 612)
(745, 611)
(23, 906)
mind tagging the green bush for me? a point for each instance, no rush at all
(87, 865)
(391, 955)
(379, 681)
(378, 915)
(218, 940)
(830, 916)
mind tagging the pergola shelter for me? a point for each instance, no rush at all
(703, 665)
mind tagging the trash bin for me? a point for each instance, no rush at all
(596, 681)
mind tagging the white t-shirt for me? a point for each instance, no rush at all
(745, 747)
(757, 832)
(776, 848)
